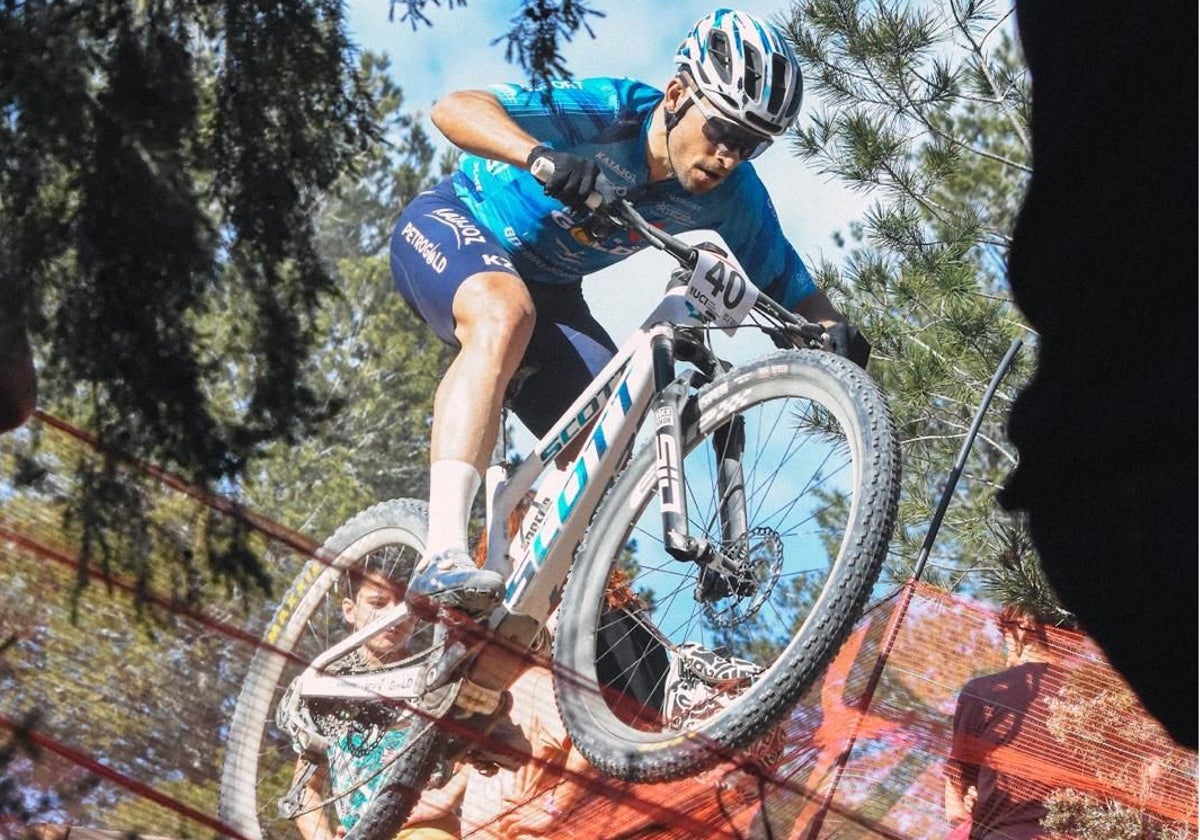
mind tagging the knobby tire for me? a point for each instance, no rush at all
(821, 472)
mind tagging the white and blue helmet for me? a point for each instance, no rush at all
(743, 66)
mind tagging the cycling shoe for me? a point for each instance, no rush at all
(452, 579)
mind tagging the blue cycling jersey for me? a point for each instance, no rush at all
(608, 120)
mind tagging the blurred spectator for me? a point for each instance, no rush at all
(352, 772)
(1103, 267)
(999, 720)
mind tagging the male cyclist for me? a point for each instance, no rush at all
(493, 260)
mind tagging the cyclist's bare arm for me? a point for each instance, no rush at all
(312, 823)
(476, 122)
(817, 307)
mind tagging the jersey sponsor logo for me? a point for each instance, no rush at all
(583, 236)
(466, 230)
(493, 260)
(425, 247)
(564, 219)
(565, 253)
(613, 166)
(538, 261)
(683, 212)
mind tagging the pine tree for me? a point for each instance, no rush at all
(374, 359)
(163, 161)
(925, 106)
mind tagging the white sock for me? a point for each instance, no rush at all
(452, 489)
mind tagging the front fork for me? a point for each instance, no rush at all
(671, 406)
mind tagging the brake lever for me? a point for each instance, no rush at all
(784, 336)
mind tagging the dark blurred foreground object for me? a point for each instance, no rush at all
(18, 382)
(1103, 265)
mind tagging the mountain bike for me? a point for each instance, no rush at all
(744, 511)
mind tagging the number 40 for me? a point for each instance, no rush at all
(729, 286)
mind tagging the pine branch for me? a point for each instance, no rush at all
(977, 49)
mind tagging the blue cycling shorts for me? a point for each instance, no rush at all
(437, 244)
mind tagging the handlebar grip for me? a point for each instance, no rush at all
(543, 168)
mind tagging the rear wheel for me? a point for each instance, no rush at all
(399, 793)
(259, 760)
(803, 447)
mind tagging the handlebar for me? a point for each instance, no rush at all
(789, 323)
(607, 202)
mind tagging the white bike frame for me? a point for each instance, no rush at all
(609, 415)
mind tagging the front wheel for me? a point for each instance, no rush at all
(664, 666)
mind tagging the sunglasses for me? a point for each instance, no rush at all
(722, 132)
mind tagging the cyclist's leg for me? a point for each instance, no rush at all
(494, 318)
(568, 349)
(458, 279)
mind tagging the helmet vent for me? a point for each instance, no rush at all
(745, 66)
(779, 86)
(754, 73)
(722, 61)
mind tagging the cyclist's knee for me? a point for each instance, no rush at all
(494, 311)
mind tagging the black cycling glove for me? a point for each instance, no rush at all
(846, 340)
(573, 179)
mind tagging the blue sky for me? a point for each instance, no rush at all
(637, 40)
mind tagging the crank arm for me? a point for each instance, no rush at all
(385, 622)
(460, 639)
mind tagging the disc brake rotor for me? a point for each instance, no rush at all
(732, 596)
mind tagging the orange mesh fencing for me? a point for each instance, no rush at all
(864, 753)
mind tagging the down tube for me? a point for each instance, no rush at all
(569, 498)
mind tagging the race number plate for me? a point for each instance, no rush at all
(721, 291)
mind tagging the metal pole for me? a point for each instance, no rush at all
(961, 461)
